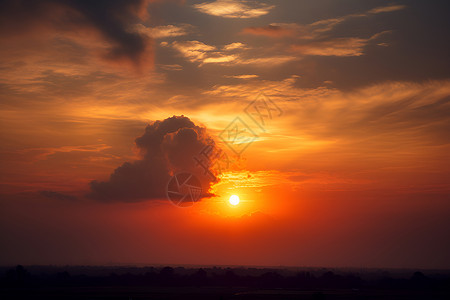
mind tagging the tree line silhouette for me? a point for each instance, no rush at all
(19, 277)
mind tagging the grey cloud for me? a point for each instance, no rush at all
(110, 18)
(166, 148)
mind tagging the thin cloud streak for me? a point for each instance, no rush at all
(164, 31)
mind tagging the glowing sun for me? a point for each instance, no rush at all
(234, 200)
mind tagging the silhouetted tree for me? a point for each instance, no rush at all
(419, 281)
(18, 276)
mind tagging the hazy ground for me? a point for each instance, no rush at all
(50, 282)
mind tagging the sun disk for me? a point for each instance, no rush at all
(234, 200)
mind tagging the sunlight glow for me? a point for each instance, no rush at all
(234, 200)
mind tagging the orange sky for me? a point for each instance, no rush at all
(351, 169)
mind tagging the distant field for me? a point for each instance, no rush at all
(210, 293)
(221, 283)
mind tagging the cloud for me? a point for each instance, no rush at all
(174, 67)
(335, 47)
(234, 8)
(166, 148)
(314, 38)
(328, 24)
(165, 31)
(196, 51)
(398, 114)
(389, 8)
(255, 179)
(313, 30)
(395, 128)
(202, 53)
(193, 50)
(267, 60)
(234, 46)
(390, 125)
(277, 90)
(219, 59)
(109, 20)
(273, 30)
(242, 76)
(44, 153)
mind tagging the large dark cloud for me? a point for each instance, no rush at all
(166, 148)
(110, 18)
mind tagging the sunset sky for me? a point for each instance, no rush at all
(347, 163)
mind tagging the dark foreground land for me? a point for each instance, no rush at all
(49, 282)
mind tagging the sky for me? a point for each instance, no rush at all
(330, 121)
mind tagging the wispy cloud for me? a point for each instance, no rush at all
(388, 8)
(174, 67)
(395, 127)
(394, 114)
(241, 76)
(267, 60)
(234, 46)
(219, 58)
(334, 47)
(316, 29)
(196, 51)
(193, 50)
(104, 26)
(274, 30)
(43, 153)
(316, 38)
(337, 46)
(165, 31)
(234, 8)
(274, 89)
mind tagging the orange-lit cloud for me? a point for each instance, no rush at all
(335, 47)
(193, 50)
(234, 46)
(388, 8)
(196, 51)
(234, 9)
(249, 76)
(316, 39)
(316, 29)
